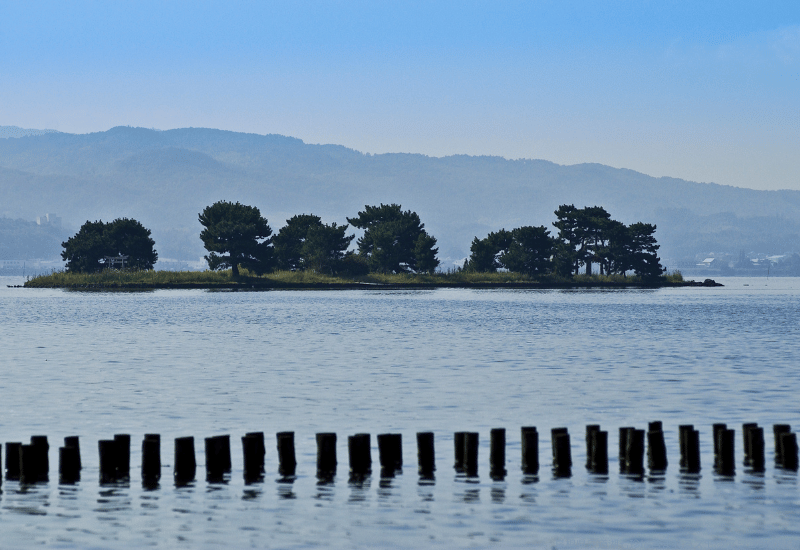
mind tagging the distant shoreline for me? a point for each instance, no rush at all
(304, 281)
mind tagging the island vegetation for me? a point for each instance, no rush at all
(394, 250)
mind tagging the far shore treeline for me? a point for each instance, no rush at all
(239, 238)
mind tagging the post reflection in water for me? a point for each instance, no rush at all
(325, 488)
(114, 498)
(359, 487)
(286, 488)
(689, 483)
(498, 492)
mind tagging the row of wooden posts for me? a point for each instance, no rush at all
(30, 463)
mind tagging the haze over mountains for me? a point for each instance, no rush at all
(165, 178)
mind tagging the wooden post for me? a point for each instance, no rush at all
(390, 453)
(656, 448)
(123, 455)
(74, 441)
(692, 439)
(252, 445)
(12, 460)
(326, 455)
(789, 450)
(726, 464)
(151, 459)
(590, 429)
(497, 454)
(599, 452)
(41, 456)
(530, 450)
(777, 430)
(458, 448)
(634, 453)
(624, 436)
(426, 455)
(108, 450)
(259, 449)
(746, 432)
(358, 446)
(185, 461)
(756, 452)
(717, 429)
(683, 433)
(29, 467)
(218, 457)
(471, 454)
(287, 463)
(562, 453)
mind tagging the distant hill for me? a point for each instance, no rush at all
(165, 178)
(16, 132)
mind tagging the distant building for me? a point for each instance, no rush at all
(49, 219)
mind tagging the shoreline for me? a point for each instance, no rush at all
(264, 285)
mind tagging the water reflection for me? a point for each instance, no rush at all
(498, 493)
(325, 489)
(359, 487)
(113, 499)
(34, 498)
(689, 483)
(286, 488)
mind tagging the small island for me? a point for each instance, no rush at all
(394, 252)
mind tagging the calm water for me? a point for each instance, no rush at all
(205, 363)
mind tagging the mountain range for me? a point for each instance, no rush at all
(165, 178)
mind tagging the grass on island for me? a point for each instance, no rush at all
(203, 279)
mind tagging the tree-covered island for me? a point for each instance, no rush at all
(589, 249)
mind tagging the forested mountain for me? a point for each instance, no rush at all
(165, 178)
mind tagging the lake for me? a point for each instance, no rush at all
(202, 363)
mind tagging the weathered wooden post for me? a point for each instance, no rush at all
(497, 454)
(624, 436)
(41, 456)
(12, 460)
(252, 446)
(185, 461)
(746, 434)
(426, 454)
(562, 452)
(777, 430)
(530, 450)
(287, 463)
(656, 448)
(458, 447)
(218, 457)
(692, 442)
(756, 452)
(590, 429)
(599, 452)
(151, 459)
(123, 455)
(74, 441)
(326, 455)
(634, 453)
(29, 468)
(358, 446)
(683, 433)
(726, 465)
(717, 429)
(471, 454)
(108, 451)
(789, 450)
(390, 453)
(259, 449)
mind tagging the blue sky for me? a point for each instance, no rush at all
(707, 91)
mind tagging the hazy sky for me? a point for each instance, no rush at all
(707, 91)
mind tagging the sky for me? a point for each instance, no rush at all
(706, 91)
